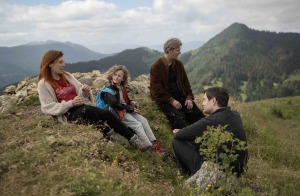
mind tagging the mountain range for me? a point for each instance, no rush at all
(252, 64)
(137, 61)
(23, 61)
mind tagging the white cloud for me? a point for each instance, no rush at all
(95, 23)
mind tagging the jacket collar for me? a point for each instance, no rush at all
(164, 60)
(220, 110)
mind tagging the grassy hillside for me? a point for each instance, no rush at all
(273, 129)
(40, 157)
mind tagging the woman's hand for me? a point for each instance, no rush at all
(85, 88)
(77, 101)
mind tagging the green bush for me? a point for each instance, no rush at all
(277, 113)
(217, 145)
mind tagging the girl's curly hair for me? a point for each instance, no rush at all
(116, 68)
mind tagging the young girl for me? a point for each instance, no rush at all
(64, 97)
(115, 95)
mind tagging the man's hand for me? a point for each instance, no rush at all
(189, 104)
(176, 104)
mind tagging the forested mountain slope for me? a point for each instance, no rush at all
(251, 64)
(138, 61)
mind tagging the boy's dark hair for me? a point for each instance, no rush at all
(220, 93)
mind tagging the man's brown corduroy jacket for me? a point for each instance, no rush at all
(159, 85)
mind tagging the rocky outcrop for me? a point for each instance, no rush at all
(15, 94)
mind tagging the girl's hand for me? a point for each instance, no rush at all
(136, 110)
(134, 104)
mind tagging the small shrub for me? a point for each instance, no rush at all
(277, 113)
(214, 140)
(218, 146)
(31, 101)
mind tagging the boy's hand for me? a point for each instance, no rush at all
(175, 130)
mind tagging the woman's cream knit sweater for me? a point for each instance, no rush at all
(50, 104)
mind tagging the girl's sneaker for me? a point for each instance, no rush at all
(157, 148)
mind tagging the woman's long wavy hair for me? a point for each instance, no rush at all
(116, 68)
(48, 58)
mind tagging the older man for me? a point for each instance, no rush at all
(215, 101)
(170, 87)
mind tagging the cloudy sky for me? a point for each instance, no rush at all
(110, 25)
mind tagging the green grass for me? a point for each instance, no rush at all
(274, 146)
(40, 157)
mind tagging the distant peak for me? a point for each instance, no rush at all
(237, 27)
(49, 42)
(42, 42)
(233, 30)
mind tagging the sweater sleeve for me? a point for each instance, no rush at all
(49, 103)
(87, 97)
